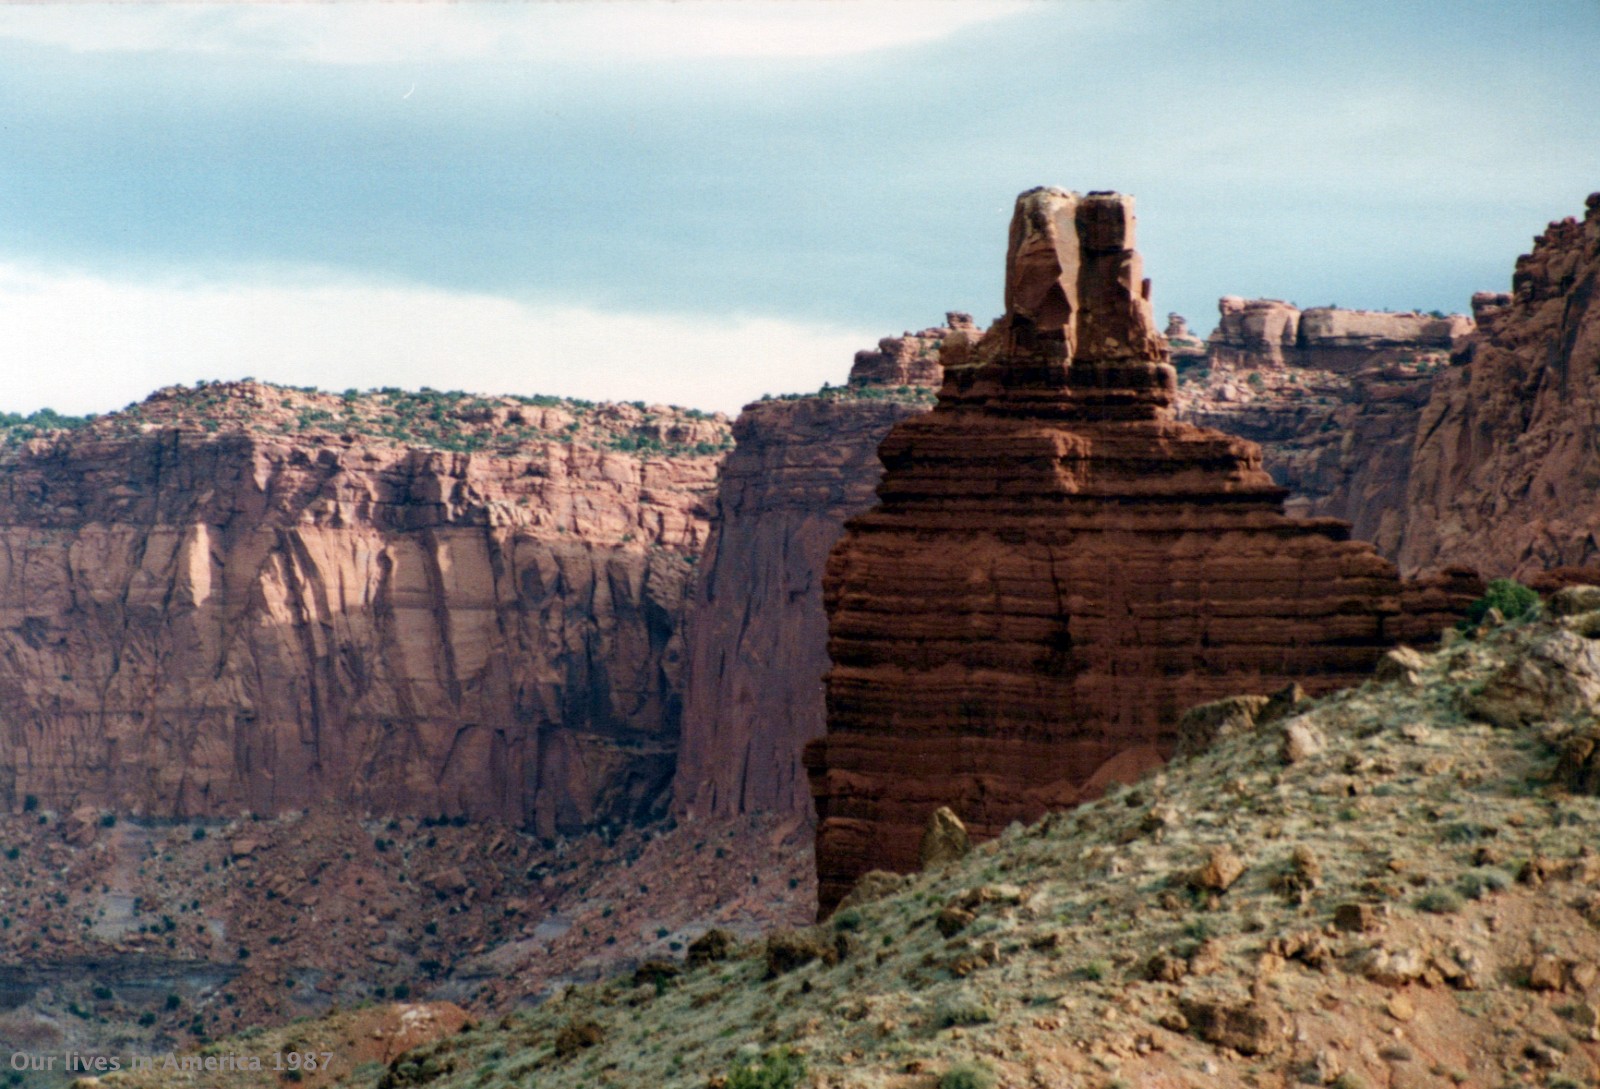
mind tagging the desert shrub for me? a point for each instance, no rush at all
(657, 973)
(780, 1068)
(714, 945)
(790, 949)
(1514, 601)
(967, 1075)
(576, 1035)
(1440, 902)
(848, 919)
(1475, 884)
(963, 1009)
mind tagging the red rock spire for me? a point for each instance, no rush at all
(1078, 333)
(1058, 569)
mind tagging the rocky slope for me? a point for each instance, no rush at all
(149, 936)
(1507, 461)
(1058, 568)
(1394, 887)
(756, 644)
(249, 598)
(1332, 396)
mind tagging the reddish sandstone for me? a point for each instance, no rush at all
(1058, 568)
(1507, 460)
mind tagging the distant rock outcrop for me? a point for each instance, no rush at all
(1257, 333)
(1058, 568)
(247, 597)
(1506, 475)
(1333, 397)
(756, 644)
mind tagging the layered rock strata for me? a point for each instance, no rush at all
(252, 598)
(756, 644)
(1333, 396)
(1264, 333)
(1058, 568)
(1506, 475)
(1341, 443)
(911, 359)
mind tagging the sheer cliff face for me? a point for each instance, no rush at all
(1508, 451)
(757, 635)
(1058, 568)
(197, 624)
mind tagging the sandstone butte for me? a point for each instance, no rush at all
(250, 598)
(1058, 568)
(757, 637)
(1506, 474)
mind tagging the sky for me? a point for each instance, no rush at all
(699, 202)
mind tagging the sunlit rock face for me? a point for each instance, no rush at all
(198, 624)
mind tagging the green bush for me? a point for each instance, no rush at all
(963, 1009)
(1440, 902)
(1476, 884)
(967, 1076)
(848, 919)
(1514, 600)
(778, 1069)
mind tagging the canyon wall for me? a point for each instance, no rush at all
(1332, 396)
(1506, 475)
(756, 645)
(1058, 569)
(251, 598)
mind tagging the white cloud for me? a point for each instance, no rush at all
(79, 343)
(373, 33)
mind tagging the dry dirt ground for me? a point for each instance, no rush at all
(119, 939)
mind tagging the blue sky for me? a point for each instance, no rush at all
(700, 202)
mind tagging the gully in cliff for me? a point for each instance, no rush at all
(1058, 568)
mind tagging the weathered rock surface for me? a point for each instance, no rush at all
(1508, 451)
(1185, 347)
(756, 643)
(1333, 397)
(911, 359)
(206, 608)
(1261, 333)
(1058, 568)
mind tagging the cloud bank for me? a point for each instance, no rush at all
(80, 343)
(387, 33)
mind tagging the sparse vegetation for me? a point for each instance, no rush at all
(968, 1075)
(451, 421)
(1440, 902)
(781, 1068)
(16, 428)
(1514, 601)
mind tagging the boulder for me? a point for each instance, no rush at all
(944, 842)
(1202, 727)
